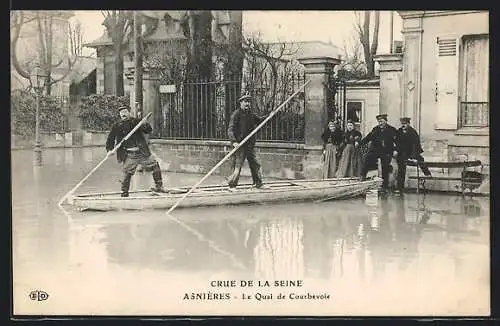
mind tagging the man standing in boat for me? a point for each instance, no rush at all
(243, 121)
(133, 151)
(383, 147)
(409, 147)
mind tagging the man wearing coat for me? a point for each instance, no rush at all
(409, 147)
(243, 121)
(134, 151)
(383, 147)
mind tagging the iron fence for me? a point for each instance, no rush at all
(474, 114)
(201, 109)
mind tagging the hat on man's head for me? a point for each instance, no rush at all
(245, 96)
(123, 107)
(381, 116)
(405, 120)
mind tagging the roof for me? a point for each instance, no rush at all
(160, 14)
(311, 49)
(104, 39)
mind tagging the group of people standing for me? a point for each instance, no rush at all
(348, 154)
(341, 151)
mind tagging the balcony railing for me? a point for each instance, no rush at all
(474, 114)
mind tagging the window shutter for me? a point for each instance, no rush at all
(447, 83)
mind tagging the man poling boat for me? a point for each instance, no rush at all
(109, 153)
(241, 143)
(133, 151)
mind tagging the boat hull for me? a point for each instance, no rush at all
(330, 189)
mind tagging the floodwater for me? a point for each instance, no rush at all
(410, 255)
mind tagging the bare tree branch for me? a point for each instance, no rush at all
(16, 29)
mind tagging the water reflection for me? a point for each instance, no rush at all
(272, 243)
(358, 242)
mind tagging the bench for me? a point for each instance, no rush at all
(469, 179)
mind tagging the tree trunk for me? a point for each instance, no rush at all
(118, 49)
(138, 59)
(199, 99)
(234, 68)
(365, 41)
(374, 46)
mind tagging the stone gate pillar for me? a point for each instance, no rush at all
(317, 70)
(391, 95)
(150, 97)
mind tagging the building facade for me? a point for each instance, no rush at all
(442, 79)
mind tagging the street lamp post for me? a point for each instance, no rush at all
(37, 83)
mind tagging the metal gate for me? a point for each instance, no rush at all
(336, 99)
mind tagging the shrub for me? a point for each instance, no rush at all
(23, 113)
(98, 112)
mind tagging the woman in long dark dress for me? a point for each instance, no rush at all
(332, 138)
(350, 161)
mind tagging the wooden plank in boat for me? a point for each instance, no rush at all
(306, 183)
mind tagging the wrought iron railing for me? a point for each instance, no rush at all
(201, 109)
(474, 114)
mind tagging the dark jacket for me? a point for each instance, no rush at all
(336, 137)
(408, 143)
(241, 124)
(350, 137)
(137, 139)
(383, 139)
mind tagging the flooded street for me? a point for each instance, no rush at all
(393, 255)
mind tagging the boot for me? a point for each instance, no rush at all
(158, 182)
(125, 184)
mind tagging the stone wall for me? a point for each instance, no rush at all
(278, 160)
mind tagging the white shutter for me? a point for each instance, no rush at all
(447, 82)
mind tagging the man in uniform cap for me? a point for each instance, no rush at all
(383, 147)
(243, 121)
(409, 147)
(134, 151)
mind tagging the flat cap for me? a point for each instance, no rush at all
(123, 107)
(246, 96)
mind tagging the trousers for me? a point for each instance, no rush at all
(248, 153)
(130, 166)
(385, 161)
(402, 169)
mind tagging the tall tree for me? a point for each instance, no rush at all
(118, 24)
(362, 27)
(50, 49)
(201, 113)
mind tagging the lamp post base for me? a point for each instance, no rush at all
(38, 154)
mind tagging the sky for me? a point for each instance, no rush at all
(326, 26)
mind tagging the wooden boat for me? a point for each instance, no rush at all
(214, 195)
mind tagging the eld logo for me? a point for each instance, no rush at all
(38, 295)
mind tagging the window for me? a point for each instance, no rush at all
(462, 82)
(353, 112)
(474, 99)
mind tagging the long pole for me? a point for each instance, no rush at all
(108, 154)
(236, 147)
